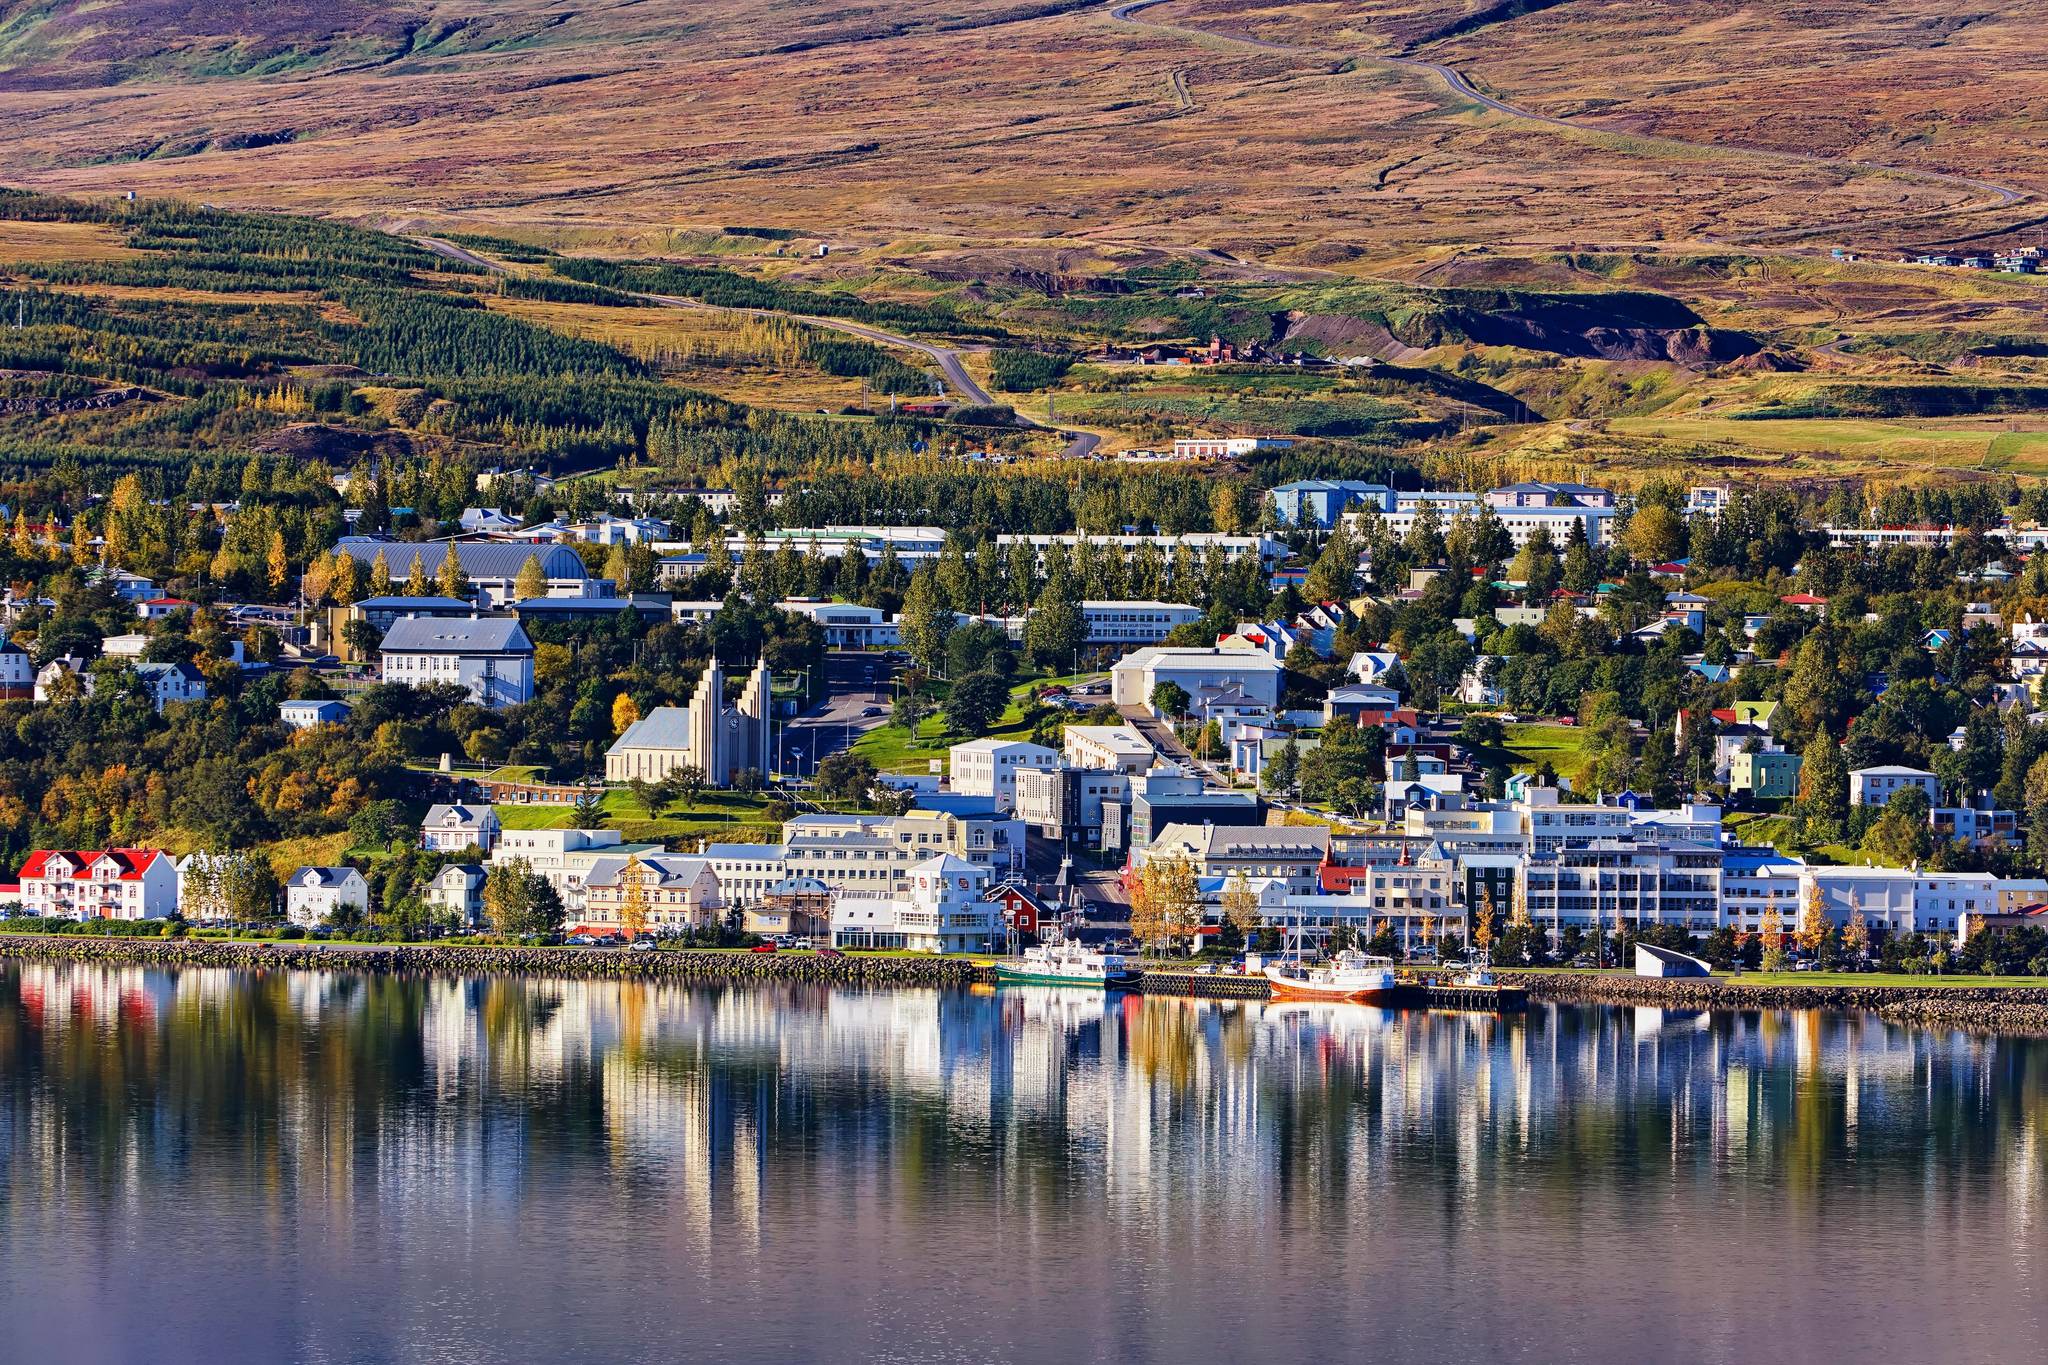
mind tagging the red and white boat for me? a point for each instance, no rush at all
(1349, 976)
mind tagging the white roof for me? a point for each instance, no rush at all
(1166, 656)
(1891, 770)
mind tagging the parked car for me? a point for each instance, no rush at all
(582, 940)
(762, 948)
(867, 711)
(641, 945)
(830, 952)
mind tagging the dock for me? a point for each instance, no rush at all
(1422, 993)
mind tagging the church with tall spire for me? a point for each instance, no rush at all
(719, 739)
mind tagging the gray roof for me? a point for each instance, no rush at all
(321, 876)
(665, 727)
(670, 869)
(468, 815)
(763, 851)
(480, 558)
(400, 602)
(454, 635)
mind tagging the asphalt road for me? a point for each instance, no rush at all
(854, 682)
(1079, 444)
(1457, 83)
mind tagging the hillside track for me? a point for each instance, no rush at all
(951, 367)
(1455, 81)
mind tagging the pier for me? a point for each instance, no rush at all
(1420, 993)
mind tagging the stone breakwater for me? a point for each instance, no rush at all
(437, 959)
(1990, 1009)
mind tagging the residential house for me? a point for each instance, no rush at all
(675, 893)
(1877, 786)
(315, 895)
(453, 828)
(113, 883)
(1293, 854)
(800, 906)
(1768, 775)
(168, 683)
(564, 856)
(17, 673)
(457, 893)
(304, 715)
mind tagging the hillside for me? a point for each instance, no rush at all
(1039, 121)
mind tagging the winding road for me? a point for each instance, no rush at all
(1456, 82)
(1079, 443)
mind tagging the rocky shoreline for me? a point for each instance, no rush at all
(1991, 1009)
(438, 959)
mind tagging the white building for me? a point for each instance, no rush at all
(453, 828)
(1756, 881)
(490, 656)
(113, 883)
(1903, 900)
(564, 856)
(1134, 622)
(873, 853)
(1227, 447)
(1877, 786)
(848, 625)
(457, 892)
(168, 683)
(942, 910)
(745, 872)
(312, 895)
(1521, 523)
(1607, 881)
(1135, 676)
(1111, 748)
(304, 715)
(1267, 550)
(988, 767)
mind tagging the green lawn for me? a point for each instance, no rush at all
(892, 749)
(728, 817)
(1562, 746)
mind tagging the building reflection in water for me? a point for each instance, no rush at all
(720, 1125)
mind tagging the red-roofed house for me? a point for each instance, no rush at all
(156, 608)
(114, 883)
(1807, 602)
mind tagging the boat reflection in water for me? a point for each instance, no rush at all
(337, 1167)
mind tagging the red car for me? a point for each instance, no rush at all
(830, 952)
(762, 948)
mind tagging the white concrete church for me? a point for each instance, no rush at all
(720, 740)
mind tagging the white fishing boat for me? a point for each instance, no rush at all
(1349, 976)
(1066, 963)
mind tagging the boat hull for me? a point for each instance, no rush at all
(1295, 988)
(1024, 976)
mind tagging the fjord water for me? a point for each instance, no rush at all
(218, 1165)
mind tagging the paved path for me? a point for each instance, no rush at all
(1079, 443)
(1458, 84)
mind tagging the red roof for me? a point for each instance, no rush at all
(1804, 599)
(166, 602)
(133, 861)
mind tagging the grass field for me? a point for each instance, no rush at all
(61, 242)
(726, 817)
(893, 749)
(1562, 746)
(1992, 444)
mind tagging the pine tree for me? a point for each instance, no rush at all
(532, 581)
(926, 621)
(452, 581)
(380, 574)
(417, 583)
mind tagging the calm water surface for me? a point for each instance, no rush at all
(217, 1165)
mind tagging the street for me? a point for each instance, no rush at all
(855, 683)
